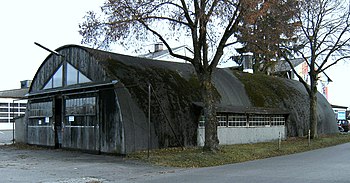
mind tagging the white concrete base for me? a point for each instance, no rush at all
(6, 126)
(244, 135)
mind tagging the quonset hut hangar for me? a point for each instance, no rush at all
(94, 100)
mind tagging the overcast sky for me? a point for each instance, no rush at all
(54, 23)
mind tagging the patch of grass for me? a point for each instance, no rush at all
(194, 157)
(264, 90)
(24, 146)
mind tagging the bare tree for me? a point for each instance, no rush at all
(324, 40)
(210, 26)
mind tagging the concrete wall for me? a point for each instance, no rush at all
(20, 130)
(243, 135)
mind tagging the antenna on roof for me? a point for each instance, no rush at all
(43, 47)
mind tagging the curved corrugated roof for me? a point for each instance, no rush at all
(230, 88)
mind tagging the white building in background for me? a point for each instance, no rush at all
(13, 104)
(339, 88)
(340, 112)
(302, 68)
(163, 54)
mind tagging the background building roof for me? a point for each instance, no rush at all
(284, 66)
(162, 53)
(16, 93)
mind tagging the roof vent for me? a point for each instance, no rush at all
(158, 47)
(25, 84)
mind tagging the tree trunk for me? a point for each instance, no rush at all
(211, 137)
(313, 109)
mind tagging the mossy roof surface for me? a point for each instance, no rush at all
(246, 91)
(135, 70)
(109, 58)
(266, 91)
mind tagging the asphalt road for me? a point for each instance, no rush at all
(42, 165)
(329, 165)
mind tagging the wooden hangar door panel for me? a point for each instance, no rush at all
(81, 125)
(40, 122)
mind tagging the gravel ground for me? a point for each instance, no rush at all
(47, 166)
(6, 137)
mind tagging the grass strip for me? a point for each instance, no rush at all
(194, 157)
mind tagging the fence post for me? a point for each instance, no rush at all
(279, 140)
(309, 138)
(149, 119)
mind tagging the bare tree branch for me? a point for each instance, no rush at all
(332, 64)
(166, 43)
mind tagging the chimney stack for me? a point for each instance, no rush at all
(158, 47)
(25, 84)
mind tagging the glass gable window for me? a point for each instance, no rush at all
(83, 78)
(57, 78)
(72, 76)
(48, 84)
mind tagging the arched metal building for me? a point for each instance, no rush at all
(94, 100)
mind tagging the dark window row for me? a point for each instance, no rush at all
(4, 120)
(40, 109)
(81, 106)
(16, 105)
(240, 120)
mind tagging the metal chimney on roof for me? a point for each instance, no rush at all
(158, 47)
(25, 84)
